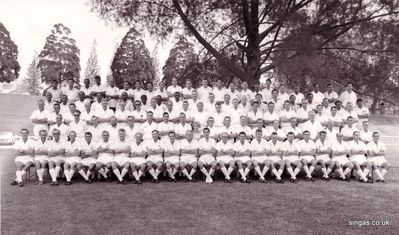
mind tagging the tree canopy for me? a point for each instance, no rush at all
(92, 67)
(9, 66)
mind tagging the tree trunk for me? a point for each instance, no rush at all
(374, 105)
(253, 50)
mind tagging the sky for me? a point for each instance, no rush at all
(30, 22)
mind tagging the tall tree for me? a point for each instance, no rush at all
(180, 56)
(132, 60)
(59, 58)
(260, 29)
(92, 67)
(31, 83)
(9, 66)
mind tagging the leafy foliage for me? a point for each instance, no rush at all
(31, 83)
(92, 67)
(9, 66)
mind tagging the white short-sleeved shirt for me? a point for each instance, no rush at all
(248, 93)
(122, 115)
(220, 146)
(295, 130)
(366, 136)
(229, 130)
(266, 94)
(348, 131)
(131, 132)
(290, 147)
(80, 105)
(332, 95)
(314, 128)
(362, 111)
(64, 130)
(302, 113)
(202, 117)
(111, 91)
(331, 135)
(49, 106)
(64, 108)
(96, 106)
(232, 94)
(88, 147)
(283, 97)
(373, 147)
(274, 147)
(157, 111)
(129, 92)
(203, 93)
(56, 93)
(239, 147)
(87, 92)
(219, 118)
(287, 115)
(71, 93)
(98, 88)
(317, 97)
(240, 128)
(359, 146)
(135, 148)
(185, 144)
(172, 89)
(25, 146)
(104, 114)
(167, 127)
(259, 146)
(321, 118)
(151, 144)
(73, 148)
(348, 97)
(80, 128)
(219, 93)
(39, 145)
(336, 146)
(181, 130)
(280, 132)
(37, 114)
(56, 146)
(298, 97)
(323, 146)
(138, 93)
(206, 144)
(113, 132)
(96, 132)
(148, 128)
(168, 146)
(269, 117)
(186, 91)
(104, 144)
(306, 146)
(255, 116)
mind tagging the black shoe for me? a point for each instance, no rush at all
(68, 183)
(378, 181)
(108, 179)
(362, 181)
(384, 181)
(54, 183)
(139, 182)
(174, 180)
(242, 181)
(123, 182)
(370, 180)
(157, 181)
(347, 179)
(247, 181)
(20, 184)
(312, 180)
(14, 183)
(226, 180)
(88, 181)
(102, 179)
(279, 181)
(194, 180)
(134, 182)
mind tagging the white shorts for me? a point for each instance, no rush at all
(291, 158)
(24, 159)
(378, 160)
(172, 159)
(243, 159)
(341, 159)
(121, 160)
(137, 160)
(188, 159)
(154, 158)
(224, 158)
(88, 161)
(105, 158)
(73, 159)
(260, 159)
(323, 157)
(57, 158)
(274, 158)
(307, 158)
(41, 158)
(358, 158)
(206, 158)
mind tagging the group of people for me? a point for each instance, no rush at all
(99, 130)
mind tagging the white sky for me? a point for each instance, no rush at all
(30, 21)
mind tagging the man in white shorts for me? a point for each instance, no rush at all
(188, 159)
(259, 150)
(24, 151)
(72, 156)
(64, 129)
(89, 156)
(358, 158)
(376, 155)
(207, 151)
(105, 156)
(274, 151)
(291, 157)
(307, 151)
(339, 152)
(323, 152)
(224, 156)
(171, 155)
(137, 160)
(41, 155)
(242, 156)
(122, 149)
(154, 156)
(56, 152)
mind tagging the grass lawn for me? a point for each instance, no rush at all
(188, 208)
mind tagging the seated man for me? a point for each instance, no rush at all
(207, 153)
(242, 156)
(154, 157)
(56, 152)
(122, 149)
(224, 156)
(259, 149)
(274, 151)
(307, 151)
(171, 155)
(323, 152)
(339, 152)
(89, 156)
(189, 153)
(291, 157)
(41, 155)
(358, 158)
(24, 150)
(137, 160)
(105, 156)
(72, 156)
(376, 155)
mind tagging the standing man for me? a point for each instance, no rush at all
(348, 95)
(70, 91)
(112, 93)
(39, 119)
(54, 90)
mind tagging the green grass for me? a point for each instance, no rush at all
(188, 208)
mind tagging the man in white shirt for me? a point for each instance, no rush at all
(291, 157)
(188, 90)
(78, 126)
(49, 103)
(137, 160)
(40, 148)
(303, 113)
(112, 94)
(335, 119)
(171, 155)
(81, 102)
(188, 159)
(39, 119)
(258, 152)
(242, 156)
(54, 90)
(323, 151)
(365, 134)
(132, 129)
(97, 88)
(362, 112)
(270, 114)
(86, 89)
(285, 115)
(317, 95)
(126, 89)
(294, 129)
(124, 98)
(89, 156)
(283, 95)
(204, 90)
(104, 114)
(267, 91)
(376, 151)
(122, 149)
(313, 126)
(219, 91)
(320, 116)
(56, 153)
(307, 151)
(207, 153)
(224, 156)
(121, 115)
(154, 156)
(246, 92)
(330, 94)
(357, 156)
(70, 91)
(72, 157)
(348, 95)
(95, 130)
(172, 89)
(24, 149)
(139, 113)
(254, 114)
(274, 151)
(339, 152)
(148, 126)
(349, 129)
(298, 95)
(105, 155)
(64, 129)
(232, 91)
